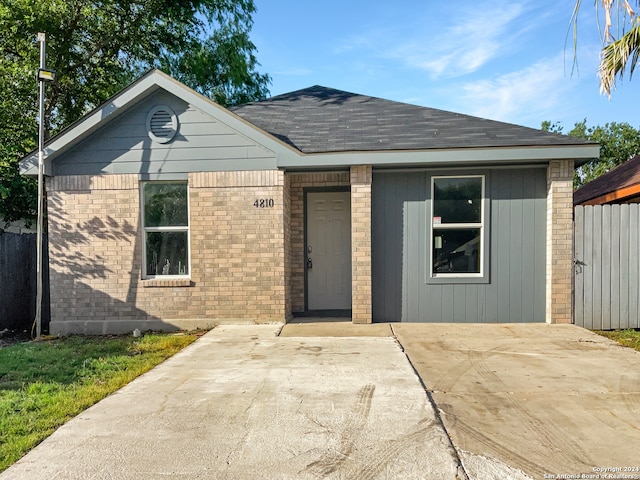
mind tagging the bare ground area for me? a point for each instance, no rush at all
(11, 337)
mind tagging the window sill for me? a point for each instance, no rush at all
(458, 279)
(167, 282)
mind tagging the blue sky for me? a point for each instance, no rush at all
(504, 60)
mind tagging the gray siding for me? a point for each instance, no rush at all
(202, 144)
(515, 287)
(607, 265)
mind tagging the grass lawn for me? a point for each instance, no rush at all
(45, 383)
(628, 338)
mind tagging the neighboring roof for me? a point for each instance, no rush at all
(617, 184)
(320, 120)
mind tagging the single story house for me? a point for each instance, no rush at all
(619, 185)
(167, 210)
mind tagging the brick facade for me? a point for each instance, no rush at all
(361, 243)
(237, 250)
(559, 241)
(247, 263)
(238, 254)
(288, 261)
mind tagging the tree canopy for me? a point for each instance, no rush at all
(97, 48)
(618, 143)
(620, 39)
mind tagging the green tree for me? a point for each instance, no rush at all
(97, 48)
(618, 143)
(620, 41)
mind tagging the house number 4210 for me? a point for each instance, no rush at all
(264, 203)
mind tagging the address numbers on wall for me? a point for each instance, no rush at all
(264, 203)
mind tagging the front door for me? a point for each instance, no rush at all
(328, 251)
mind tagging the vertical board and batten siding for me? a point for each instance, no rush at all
(515, 291)
(607, 266)
(202, 144)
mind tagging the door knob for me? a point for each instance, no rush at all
(309, 263)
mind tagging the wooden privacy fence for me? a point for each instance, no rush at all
(607, 266)
(18, 282)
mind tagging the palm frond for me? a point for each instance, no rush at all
(614, 58)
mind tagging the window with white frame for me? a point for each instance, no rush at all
(165, 214)
(457, 226)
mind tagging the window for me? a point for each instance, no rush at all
(457, 239)
(166, 229)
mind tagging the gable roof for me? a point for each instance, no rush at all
(324, 128)
(617, 184)
(322, 120)
(122, 102)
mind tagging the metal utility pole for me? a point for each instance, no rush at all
(43, 76)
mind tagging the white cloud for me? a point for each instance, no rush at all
(478, 35)
(530, 95)
(450, 40)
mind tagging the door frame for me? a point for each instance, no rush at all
(318, 313)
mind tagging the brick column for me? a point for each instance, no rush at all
(559, 241)
(361, 243)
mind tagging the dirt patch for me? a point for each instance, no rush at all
(11, 337)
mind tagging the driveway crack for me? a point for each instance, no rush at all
(462, 472)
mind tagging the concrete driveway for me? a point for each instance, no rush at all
(554, 400)
(242, 403)
(335, 400)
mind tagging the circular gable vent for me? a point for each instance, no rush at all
(162, 124)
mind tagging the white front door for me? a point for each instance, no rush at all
(328, 251)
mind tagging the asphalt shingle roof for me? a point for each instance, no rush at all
(624, 175)
(320, 119)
